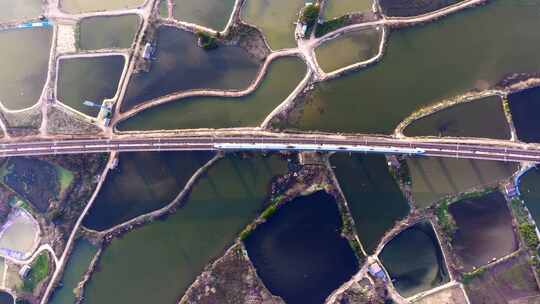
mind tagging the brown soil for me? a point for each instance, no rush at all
(231, 279)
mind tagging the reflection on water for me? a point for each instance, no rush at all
(422, 65)
(227, 67)
(462, 120)
(158, 262)
(210, 13)
(89, 78)
(433, 177)
(78, 264)
(299, 252)
(282, 77)
(375, 200)
(485, 229)
(142, 182)
(414, 260)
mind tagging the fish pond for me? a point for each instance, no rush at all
(77, 265)
(422, 65)
(142, 182)
(88, 78)
(6, 298)
(299, 252)
(406, 8)
(224, 68)
(485, 230)
(176, 249)
(24, 58)
(20, 10)
(434, 178)
(85, 6)
(414, 260)
(275, 18)
(282, 77)
(374, 198)
(348, 49)
(529, 188)
(524, 106)
(108, 32)
(338, 8)
(462, 121)
(209, 13)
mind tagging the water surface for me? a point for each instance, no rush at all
(529, 187)
(463, 120)
(434, 178)
(424, 64)
(77, 265)
(338, 8)
(209, 13)
(299, 252)
(375, 200)
(349, 49)
(226, 68)
(158, 262)
(88, 78)
(403, 8)
(20, 10)
(85, 6)
(6, 298)
(283, 76)
(485, 230)
(142, 182)
(275, 18)
(414, 260)
(524, 106)
(108, 32)
(24, 57)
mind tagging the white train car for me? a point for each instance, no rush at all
(312, 147)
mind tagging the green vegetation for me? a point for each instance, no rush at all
(528, 232)
(469, 276)
(519, 211)
(309, 17)
(445, 219)
(310, 14)
(65, 177)
(331, 25)
(39, 271)
(206, 41)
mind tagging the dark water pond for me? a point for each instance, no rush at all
(484, 229)
(525, 106)
(375, 200)
(142, 182)
(414, 260)
(282, 77)
(462, 120)
(181, 65)
(529, 187)
(6, 298)
(299, 253)
(78, 263)
(157, 262)
(88, 78)
(424, 64)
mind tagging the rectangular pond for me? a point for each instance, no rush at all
(108, 32)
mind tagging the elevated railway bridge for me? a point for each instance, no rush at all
(266, 141)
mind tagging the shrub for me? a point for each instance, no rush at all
(528, 232)
(330, 26)
(310, 14)
(206, 41)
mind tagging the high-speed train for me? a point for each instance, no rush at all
(312, 147)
